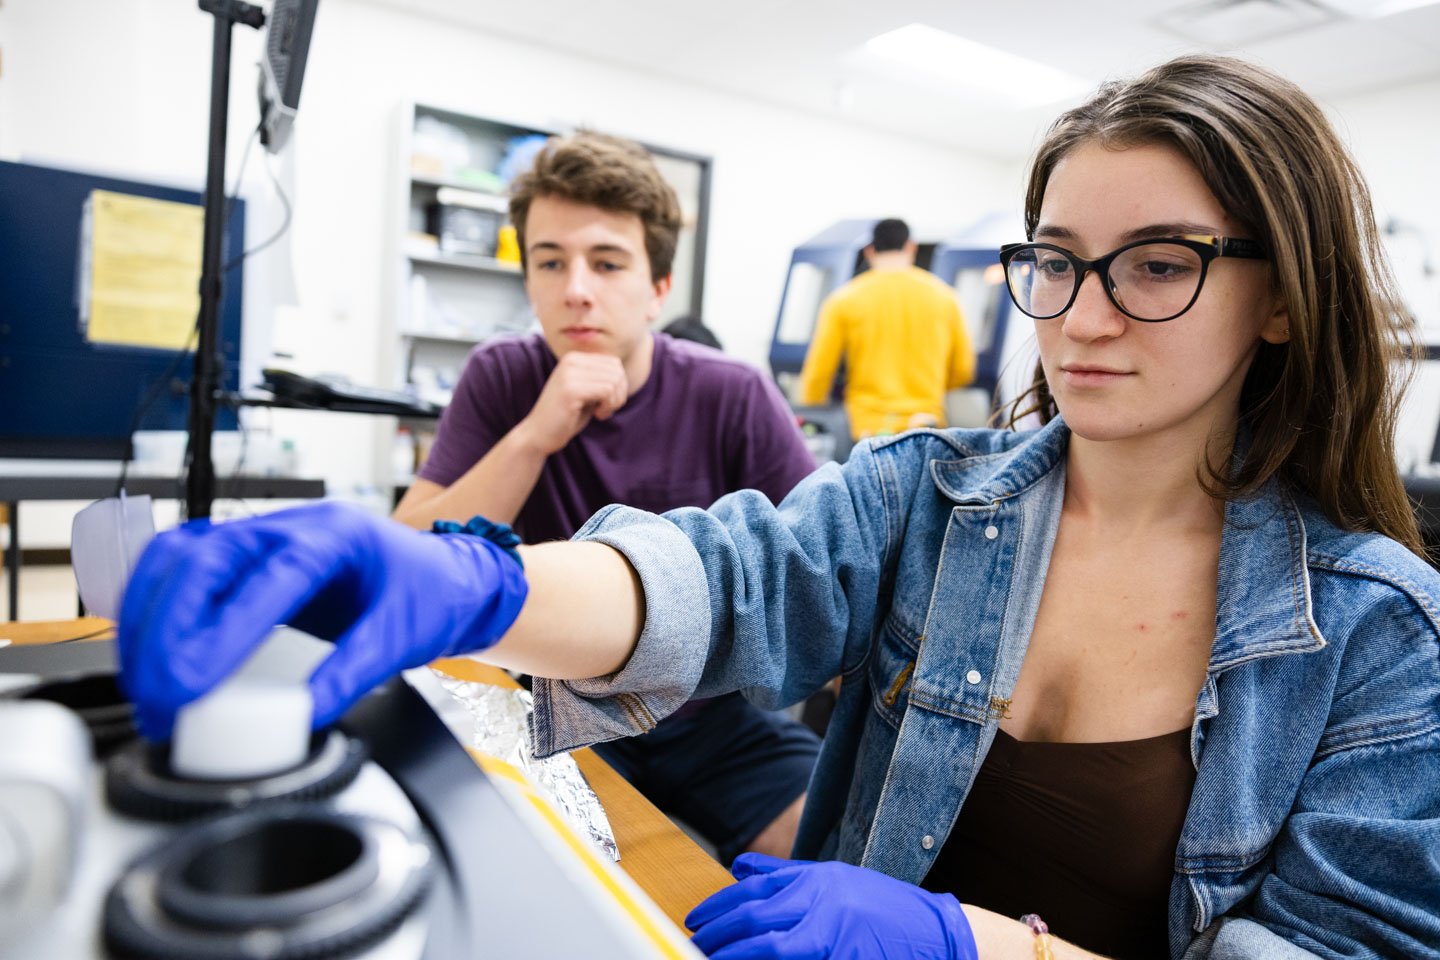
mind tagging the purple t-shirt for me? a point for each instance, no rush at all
(702, 425)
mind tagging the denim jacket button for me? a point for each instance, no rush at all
(973, 676)
(991, 532)
(927, 841)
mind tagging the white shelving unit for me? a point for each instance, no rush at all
(448, 300)
(441, 303)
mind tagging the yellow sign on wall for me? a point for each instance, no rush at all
(144, 275)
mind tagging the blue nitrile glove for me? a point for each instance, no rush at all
(801, 910)
(203, 597)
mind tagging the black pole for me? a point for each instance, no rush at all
(205, 384)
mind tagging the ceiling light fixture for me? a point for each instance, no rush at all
(1374, 9)
(923, 54)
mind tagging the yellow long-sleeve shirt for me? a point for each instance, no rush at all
(904, 343)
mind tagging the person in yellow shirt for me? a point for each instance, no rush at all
(900, 332)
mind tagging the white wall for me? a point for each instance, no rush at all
(122, 85)
(1395, 138)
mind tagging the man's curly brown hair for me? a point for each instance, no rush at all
(607, 172)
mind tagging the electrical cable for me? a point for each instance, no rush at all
(188, 457)
(153, 393)
(280, 232)
(284, 223)
(149, 398)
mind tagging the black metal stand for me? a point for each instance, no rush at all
(200, 477)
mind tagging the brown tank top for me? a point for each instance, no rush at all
(1083, 834)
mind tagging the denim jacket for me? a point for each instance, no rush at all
(914, 572)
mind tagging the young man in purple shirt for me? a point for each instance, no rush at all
(545, 430)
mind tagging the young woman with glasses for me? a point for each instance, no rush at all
(1165, 671)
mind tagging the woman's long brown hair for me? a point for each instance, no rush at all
(1320, 409)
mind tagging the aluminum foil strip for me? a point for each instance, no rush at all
(501, 728)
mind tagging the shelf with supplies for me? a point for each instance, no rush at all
(429, 180)
(464, 261)
(440, 336)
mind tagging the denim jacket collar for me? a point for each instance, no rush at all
(1000, 476)
(1263, 602)
(1263, 599)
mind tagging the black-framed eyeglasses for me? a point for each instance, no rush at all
(1148, 280)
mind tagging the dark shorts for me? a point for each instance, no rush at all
(724, 766)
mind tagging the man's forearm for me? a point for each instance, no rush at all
(496, 487)
(582, 617)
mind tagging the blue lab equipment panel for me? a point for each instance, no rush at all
(818, 267)
(60, 394)
(970, 262)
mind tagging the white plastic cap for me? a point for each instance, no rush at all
(245, 728)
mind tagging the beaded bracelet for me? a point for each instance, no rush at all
(499, 534)
(1042, 936)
